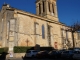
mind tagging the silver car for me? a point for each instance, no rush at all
(31, 53)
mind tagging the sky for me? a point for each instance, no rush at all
(68, 10)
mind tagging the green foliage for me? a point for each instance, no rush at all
(4, 49)
(22, 49)
(1, 50)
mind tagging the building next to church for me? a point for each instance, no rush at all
(20, 28)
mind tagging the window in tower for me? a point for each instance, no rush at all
(53, 8)
(43, 32)
(39, 8)
(49, 6)
(43, 6)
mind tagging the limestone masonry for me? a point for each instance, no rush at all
(20, 28)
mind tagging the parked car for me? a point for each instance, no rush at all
(76, 49)
(60, 51)
(76, 55)
(53, 54)
(67, 54)
(31, 53)
(42, 54)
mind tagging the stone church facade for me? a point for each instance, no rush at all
(20, 28)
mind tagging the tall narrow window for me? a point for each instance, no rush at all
(49, 34)
(63, 36)
(39, 8)
(66, 35)
(36, 28)
(43, 32)
(43, 7)
(49, 6)
(53, 7)
(62, 33)
(36, 32)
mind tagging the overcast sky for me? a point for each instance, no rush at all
(68, 10)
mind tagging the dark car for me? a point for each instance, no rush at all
(53, 54)
(76, 55)
(67, 54)
(42, 54)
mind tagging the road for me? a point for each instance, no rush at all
(35, 59)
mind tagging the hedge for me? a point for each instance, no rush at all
(4, 49)
(22, 49)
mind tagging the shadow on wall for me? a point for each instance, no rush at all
(3, 55)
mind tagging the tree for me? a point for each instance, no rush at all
(74, 28)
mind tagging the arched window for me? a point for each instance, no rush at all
(43, 32)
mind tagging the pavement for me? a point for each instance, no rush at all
(14, 59)
(34, 59)
(29, 59)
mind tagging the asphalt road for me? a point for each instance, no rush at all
(34, 59)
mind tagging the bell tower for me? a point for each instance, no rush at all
(47, 8)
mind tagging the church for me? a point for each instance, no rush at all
(21, 28)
